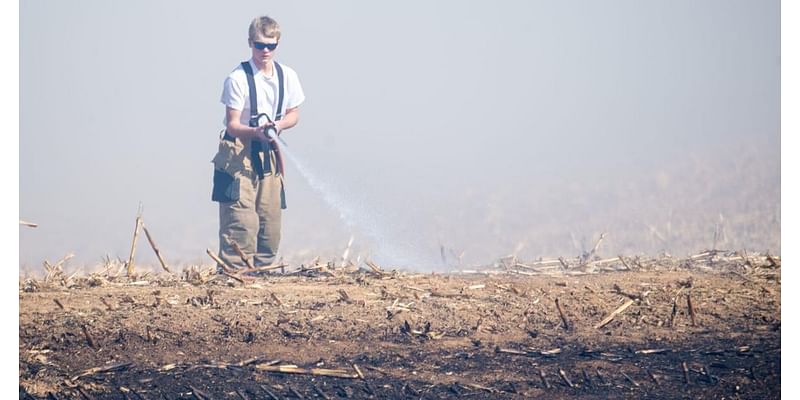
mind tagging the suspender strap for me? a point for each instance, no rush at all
(279, 72)
(255, 146)
(278, 116)
(251, 84)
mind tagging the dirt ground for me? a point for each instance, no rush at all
(513, 330)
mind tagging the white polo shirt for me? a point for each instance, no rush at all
(236, 94)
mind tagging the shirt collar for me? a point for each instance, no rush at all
(257, 72)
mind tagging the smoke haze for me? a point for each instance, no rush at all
(469, 129)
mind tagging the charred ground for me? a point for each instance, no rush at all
(516, 330)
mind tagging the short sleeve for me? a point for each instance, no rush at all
(294, 90)
(232, 94)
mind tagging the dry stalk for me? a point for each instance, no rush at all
(565, 378)
(515, 352)
(685, 369)
(591, 254)
(131, 270)
(691, 308)
(613, 314)
(266, 388)
(374, 267)
(102, 370)
(294, 392)
(198, 393)
(241, 254)
(653, 377)
(56, 271)
(225, 266)
(544, 379)
(227, 270)
(633, 382)
(105, 302)
(155, 249)
(89, 338)
(280, 265)
(586, 378)
(563, 318)
(320, 392)
(674, 307)
(358, 371)
(242, 395)
(600, 376)
(293, 369)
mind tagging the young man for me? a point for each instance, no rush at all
(248, 176)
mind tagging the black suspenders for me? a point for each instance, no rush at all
(256, 146)
(279, 72)
(251, 83)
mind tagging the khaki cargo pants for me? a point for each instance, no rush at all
(253, 220)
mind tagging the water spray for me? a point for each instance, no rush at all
(361, 218)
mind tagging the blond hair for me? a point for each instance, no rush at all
(264, 26)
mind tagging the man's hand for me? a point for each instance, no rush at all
(261, 132)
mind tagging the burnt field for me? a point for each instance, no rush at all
(707, 326)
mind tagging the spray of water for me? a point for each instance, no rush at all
(361, 217)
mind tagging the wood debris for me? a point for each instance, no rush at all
(691, 308)
(633, 382)
(563, 318)
(102, 370)
(600, 376)
(529, 353)
(227, 269)
(199, 394)
(241, 254)
(320, 392)
(685, 369)
(514, 352)
(131, 269)
(551, 352)
(293, 369)
(565, 378)
(613, 314)
(89, 340)
(588, 256)
(475, 386)
(375, 268)
(155, 249)
(294, 392)
(56, 272)
(651, 351)
(653, 377)
(544, 379)
(632, 296)
(358, 372)
(624, 264)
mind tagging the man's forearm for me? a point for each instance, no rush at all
(289, 120)
(241, 131)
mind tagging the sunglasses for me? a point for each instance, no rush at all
(262, 46)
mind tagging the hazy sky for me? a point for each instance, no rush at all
(486, 128)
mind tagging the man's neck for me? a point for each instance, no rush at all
(265, 68)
